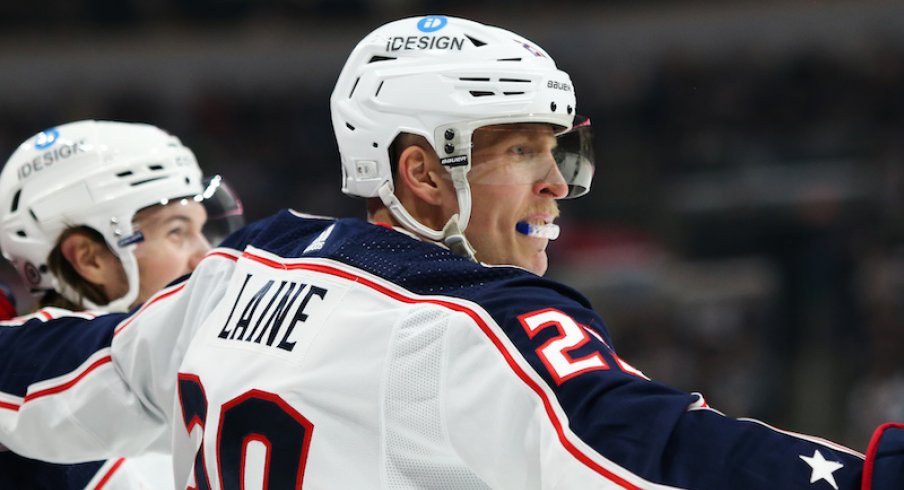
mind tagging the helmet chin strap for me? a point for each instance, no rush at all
(453, 233)
(454, 238)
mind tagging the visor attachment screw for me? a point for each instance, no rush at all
(450, 133)
(552, 106)
(570, 109)
(449, 148)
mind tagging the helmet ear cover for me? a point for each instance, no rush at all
(96, 174)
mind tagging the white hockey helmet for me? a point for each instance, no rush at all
(92, 173)
(442, 78)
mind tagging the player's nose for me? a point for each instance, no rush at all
(553, 184)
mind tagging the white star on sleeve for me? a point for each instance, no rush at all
(822, 469)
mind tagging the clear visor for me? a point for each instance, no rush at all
(516, 154)
(225, 213)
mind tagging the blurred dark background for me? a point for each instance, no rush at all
(744, 234)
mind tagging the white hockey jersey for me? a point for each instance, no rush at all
(339, 354)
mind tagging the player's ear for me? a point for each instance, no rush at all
(92, 260)
(420, 173)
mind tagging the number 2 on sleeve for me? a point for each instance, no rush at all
(555, 352)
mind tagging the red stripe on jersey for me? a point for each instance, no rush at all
(547, 403)
(45, 314)
(69, 384)
(103, 481)
(9, 406)
(221, 253)
(153, 300)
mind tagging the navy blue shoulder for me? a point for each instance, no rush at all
(285, 233)
(39, 350)
(418, 266)
(23, 473)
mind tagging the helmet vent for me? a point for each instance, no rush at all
(145, 181)
(375, 59)
(509, 59)
(15, 205)
(124, 174)
(513, 80)
(476, 42)
(349, 126)
(156, 166)
(481, 93)
(21, 233)
(377, 94)
(354, 87)
(512, 93)
(474, 79)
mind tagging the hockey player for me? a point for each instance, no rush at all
(102, 214)
(345, 354)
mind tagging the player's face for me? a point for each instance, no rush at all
(173, 244)
(513, 179)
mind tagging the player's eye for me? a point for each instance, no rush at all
(520, 150)
(178, 233)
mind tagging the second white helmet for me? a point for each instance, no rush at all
(92, 173)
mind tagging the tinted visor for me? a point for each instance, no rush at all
(225, 213)
(517, 154)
